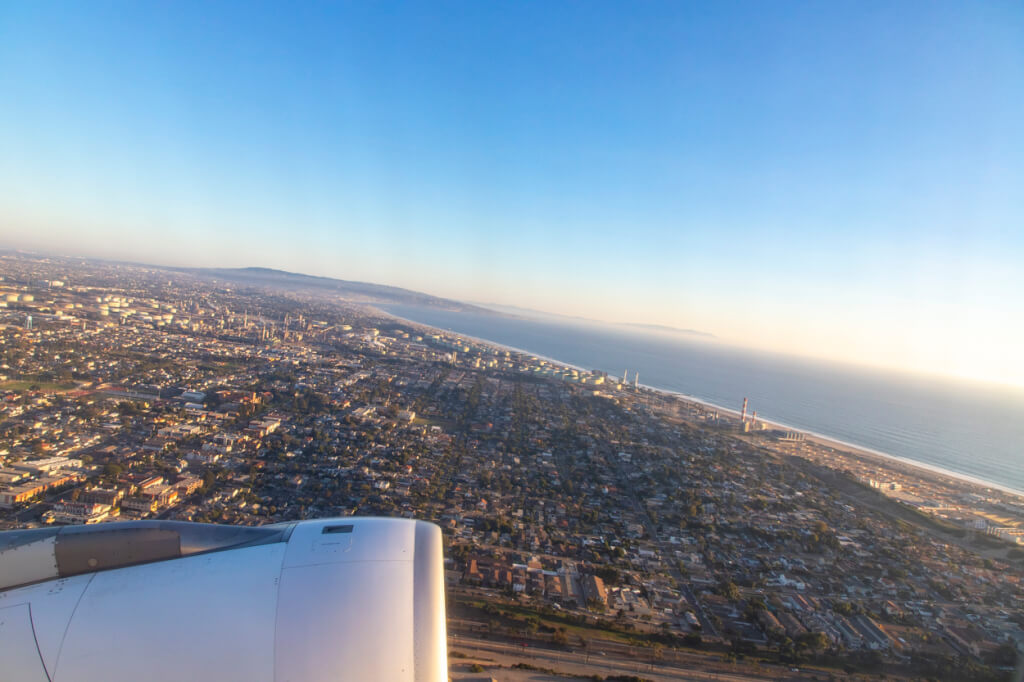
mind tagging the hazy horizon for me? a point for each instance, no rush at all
(837, 181)
(692, 335)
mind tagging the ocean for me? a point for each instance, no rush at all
(968, 428)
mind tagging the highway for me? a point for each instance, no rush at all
(578, 662)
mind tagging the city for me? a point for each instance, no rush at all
(582, 514)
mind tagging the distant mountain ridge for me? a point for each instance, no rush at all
(363, 292)
(530, 312)
(667, 328)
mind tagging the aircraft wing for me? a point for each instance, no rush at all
(338, 599)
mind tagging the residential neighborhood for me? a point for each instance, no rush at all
(578, 510)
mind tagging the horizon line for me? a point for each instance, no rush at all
(697, 334)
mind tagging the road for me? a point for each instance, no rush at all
(577, 662)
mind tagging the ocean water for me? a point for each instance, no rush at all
(969, 428)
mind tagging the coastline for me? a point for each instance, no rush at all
(919, 468)
(852, 448)
(486, 342)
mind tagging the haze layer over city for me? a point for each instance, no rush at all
(695, 328)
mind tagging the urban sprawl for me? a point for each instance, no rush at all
(581, 513)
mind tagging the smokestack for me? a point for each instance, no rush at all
(753, 419)
(743, 414)
(636, 381)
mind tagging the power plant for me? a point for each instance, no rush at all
(751, 424)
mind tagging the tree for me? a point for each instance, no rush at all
(754, 607)
(814, 641)
(729, 590)
(609, 574)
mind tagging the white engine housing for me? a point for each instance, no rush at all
(347, 598)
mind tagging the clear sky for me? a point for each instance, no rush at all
(838, 179)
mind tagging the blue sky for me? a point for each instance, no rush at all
(833, 179)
